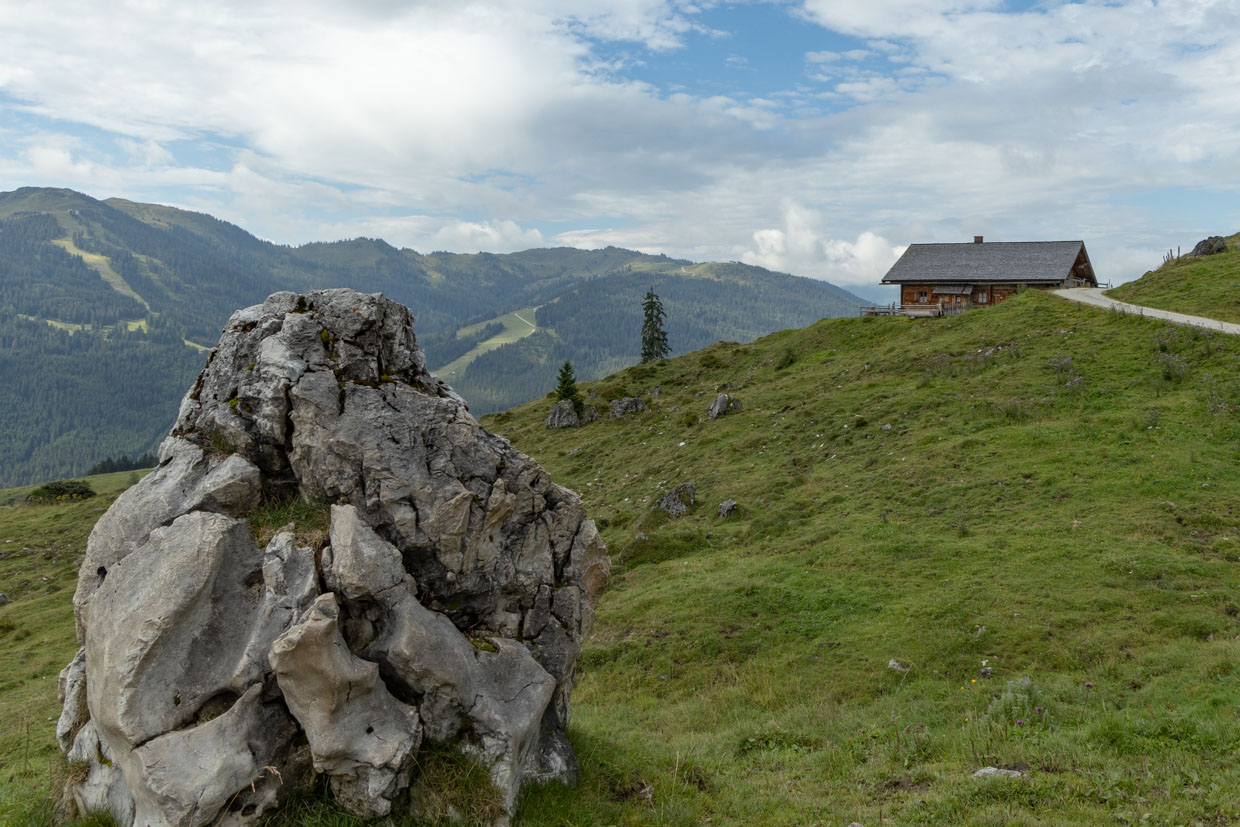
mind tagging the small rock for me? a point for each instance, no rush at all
(996, 772)
(627, 405)
(563, 415)
(727, 508)
(4, 599)
(896, 665)
(1213, 245)
(985, 672)
(589, 415)
(655, 391)
(677, 501)
(887, 427)
(719, 407)
(641, 535)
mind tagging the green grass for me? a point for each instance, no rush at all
(43, 545)
(1055, 498)
(1051, 499)
(517, 325)
(101, 265)
(1208, 286)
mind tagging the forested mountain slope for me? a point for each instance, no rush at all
(106, 305)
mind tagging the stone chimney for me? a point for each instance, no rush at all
(977, 239)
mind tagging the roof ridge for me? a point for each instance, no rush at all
(990, 243)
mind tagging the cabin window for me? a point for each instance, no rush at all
(981, 297)
(922, 296)
(959, 299)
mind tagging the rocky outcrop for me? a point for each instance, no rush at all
(435, 587)
(723, 404)
(676, 503)
(563, 415)
(1213, 245)
(627, 405)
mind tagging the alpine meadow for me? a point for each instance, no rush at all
(1002, 539)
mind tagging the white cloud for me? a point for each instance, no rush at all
(803, 245)
(499, 124)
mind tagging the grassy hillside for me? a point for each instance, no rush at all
(1208, 286)
(515, 326)
(1038, 489)
(41, 548)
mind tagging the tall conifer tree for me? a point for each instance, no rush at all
(654, 337)
(566, 388)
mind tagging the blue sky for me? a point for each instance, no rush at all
(810, 136)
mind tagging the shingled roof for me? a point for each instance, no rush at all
(1024, 262)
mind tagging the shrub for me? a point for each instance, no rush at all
(60, 491)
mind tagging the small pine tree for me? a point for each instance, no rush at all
(566, 388)
(654, 337)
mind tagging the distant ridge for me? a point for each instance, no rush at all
(106, 305)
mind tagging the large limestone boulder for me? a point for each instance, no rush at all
(435, 591)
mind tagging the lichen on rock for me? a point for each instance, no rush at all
(444, 605)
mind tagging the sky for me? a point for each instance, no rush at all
(817, 137)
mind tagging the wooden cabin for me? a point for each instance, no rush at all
(944, 278)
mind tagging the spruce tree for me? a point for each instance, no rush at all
(566, 388)
(654, 337)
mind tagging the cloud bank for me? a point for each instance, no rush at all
(503, 125)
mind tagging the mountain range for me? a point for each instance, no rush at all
(106, 307)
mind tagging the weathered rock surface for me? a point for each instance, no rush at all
(1213, 245)
(677, 501)
(563, 415)
(437, 589)
(621, 408)
(727, 508)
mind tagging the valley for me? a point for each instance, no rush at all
(116, 281)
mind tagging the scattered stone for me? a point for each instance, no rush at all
(897, 666)
(4, 599)
(887, 427)
(1213, 245)
(997, 772)
(444, 599)
(727, 508)
(641, 535)
(723, 404)
(677, 501)
(655, 391)
(563, 415)
(627, 405)
(985, 672)
(589, 415)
